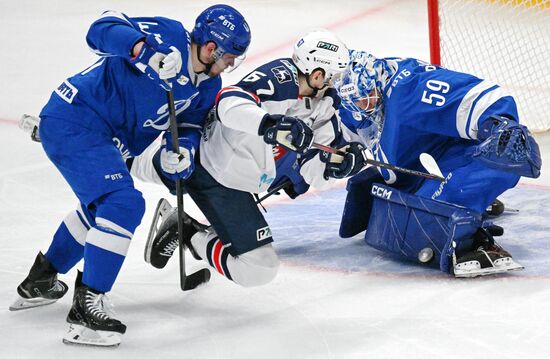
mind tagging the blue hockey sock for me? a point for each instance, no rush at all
(67, 247)
(117, 216)
(104, 254)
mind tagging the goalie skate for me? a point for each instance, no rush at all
(484, 261)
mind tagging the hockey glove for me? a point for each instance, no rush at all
(508, 146)
(344, 166)
(177, 166)
(290, 133)
(158, 60)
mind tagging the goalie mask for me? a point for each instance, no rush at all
(361, 90)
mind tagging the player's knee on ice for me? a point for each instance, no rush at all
(254, 268)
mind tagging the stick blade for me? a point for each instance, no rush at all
(193, 280)
(430, 165)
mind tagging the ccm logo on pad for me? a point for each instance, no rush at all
(380, 192)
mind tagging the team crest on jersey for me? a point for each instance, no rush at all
(282, 74)
(263, 233)
(182, 80)
(162, 123)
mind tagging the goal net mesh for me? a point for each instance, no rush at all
(505, 41)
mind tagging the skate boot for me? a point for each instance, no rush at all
(162, 243)
(487, 257)
(41, 287)
(91, 319)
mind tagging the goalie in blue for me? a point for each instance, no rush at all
(400, 108)
(111, 111)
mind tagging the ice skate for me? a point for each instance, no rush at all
(163, 238)
(91, 319)
(488, 258)
(41, 287)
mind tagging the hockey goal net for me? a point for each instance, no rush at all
(504, 41)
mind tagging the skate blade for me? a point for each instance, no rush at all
(80, 335)
(25, 303)
(163, 207)
(503, 267)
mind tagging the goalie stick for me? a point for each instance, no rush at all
(191, 281)
(433, 172)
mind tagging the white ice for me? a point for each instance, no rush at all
(333, 298)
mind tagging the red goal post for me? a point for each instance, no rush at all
(504, 41)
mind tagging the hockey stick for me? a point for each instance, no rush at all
(191, 281)
(431, 175)
(270, 193)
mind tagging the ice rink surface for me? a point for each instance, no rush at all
(333, 298)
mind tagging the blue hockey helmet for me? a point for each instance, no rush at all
(226, 27)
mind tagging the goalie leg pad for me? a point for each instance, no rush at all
(357, 208)
(420, 229)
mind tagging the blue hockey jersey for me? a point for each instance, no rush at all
(119, 99)
(427, 108)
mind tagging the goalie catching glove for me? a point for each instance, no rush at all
(338, 166)
(508, 146)
(289, 132)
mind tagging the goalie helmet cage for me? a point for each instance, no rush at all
(503, 41)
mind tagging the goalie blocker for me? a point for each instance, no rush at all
(440, 234)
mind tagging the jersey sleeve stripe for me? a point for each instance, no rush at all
(236, 91)
(116, 14)
(487, 100)
(465, 108)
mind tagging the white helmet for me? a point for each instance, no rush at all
(321, 49)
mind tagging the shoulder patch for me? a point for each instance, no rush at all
(292, 68)
(66, 91)
(282, 74)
